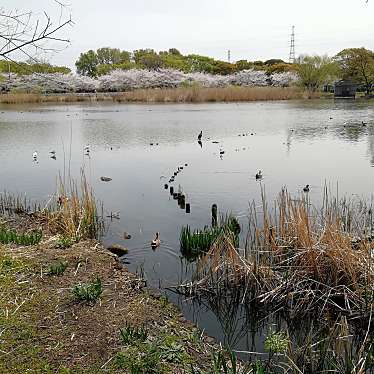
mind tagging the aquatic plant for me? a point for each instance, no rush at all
(8, 236)
(195, 242)
(297, 257)
(89, 292)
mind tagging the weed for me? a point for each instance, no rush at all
(129, 334)
(65, 241)
(222, 364)
(9, 236)
(89, 292)
(276, 342)
(57, 268)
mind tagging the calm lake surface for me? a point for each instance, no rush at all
(293, 143)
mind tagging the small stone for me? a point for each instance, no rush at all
(118, 250)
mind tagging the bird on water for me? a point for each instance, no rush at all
(259, 175)
(156, 241)
(200, 136)
(306, 188)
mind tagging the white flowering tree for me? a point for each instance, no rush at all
(127, 80)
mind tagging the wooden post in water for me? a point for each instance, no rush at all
(214, 215)
(182, 200)
(171, 190)
(188, 208)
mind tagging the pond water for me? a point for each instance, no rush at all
(294, 143)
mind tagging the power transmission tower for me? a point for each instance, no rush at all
(229, 56)
(292, 57)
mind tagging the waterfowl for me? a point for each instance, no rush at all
(221, 152)
(363, 123)
(200, 136)
(259, 175)
(306, 188)
(35, 155)
(105, 179)
(52, 152)
(156, 241)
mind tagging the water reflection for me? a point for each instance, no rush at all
(293, 143)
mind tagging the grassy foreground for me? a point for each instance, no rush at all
(77, 310)
(164, 95)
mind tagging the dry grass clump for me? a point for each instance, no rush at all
(298, 257)
(77, 214)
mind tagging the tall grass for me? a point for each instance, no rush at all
(298, 258)
(76, 216)
(171, 95)
(73, 213)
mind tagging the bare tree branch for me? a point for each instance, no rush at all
(22, 32)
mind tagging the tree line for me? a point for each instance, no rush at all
(104, 60)
(356, 64)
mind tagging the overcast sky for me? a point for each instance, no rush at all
(251, 29)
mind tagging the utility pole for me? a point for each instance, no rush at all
(229, 56)
(292, 57)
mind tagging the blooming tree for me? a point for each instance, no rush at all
(127, 80)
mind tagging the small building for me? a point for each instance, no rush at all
(345, 89)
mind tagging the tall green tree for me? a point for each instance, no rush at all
(357, 64)
(87, 63)
(314, 71)
(108, 55)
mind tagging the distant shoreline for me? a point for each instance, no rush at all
(164, 95)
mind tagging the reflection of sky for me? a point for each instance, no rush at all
(294, 143)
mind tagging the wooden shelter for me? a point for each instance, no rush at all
(345, 89)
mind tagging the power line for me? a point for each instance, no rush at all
(292, 57)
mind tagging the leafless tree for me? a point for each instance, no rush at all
(24, 33)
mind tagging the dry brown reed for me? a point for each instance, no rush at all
(171, 95)
(298, 257)
(76, 215)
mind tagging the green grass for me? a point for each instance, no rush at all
(129, 334)
(89, 292)
(65, 241)
(57, 268)
(194, 242)
(10, 236)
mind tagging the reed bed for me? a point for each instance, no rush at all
(298, 258)
(194, 94)
(16, 204)
(73, 213)
(201, 94)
